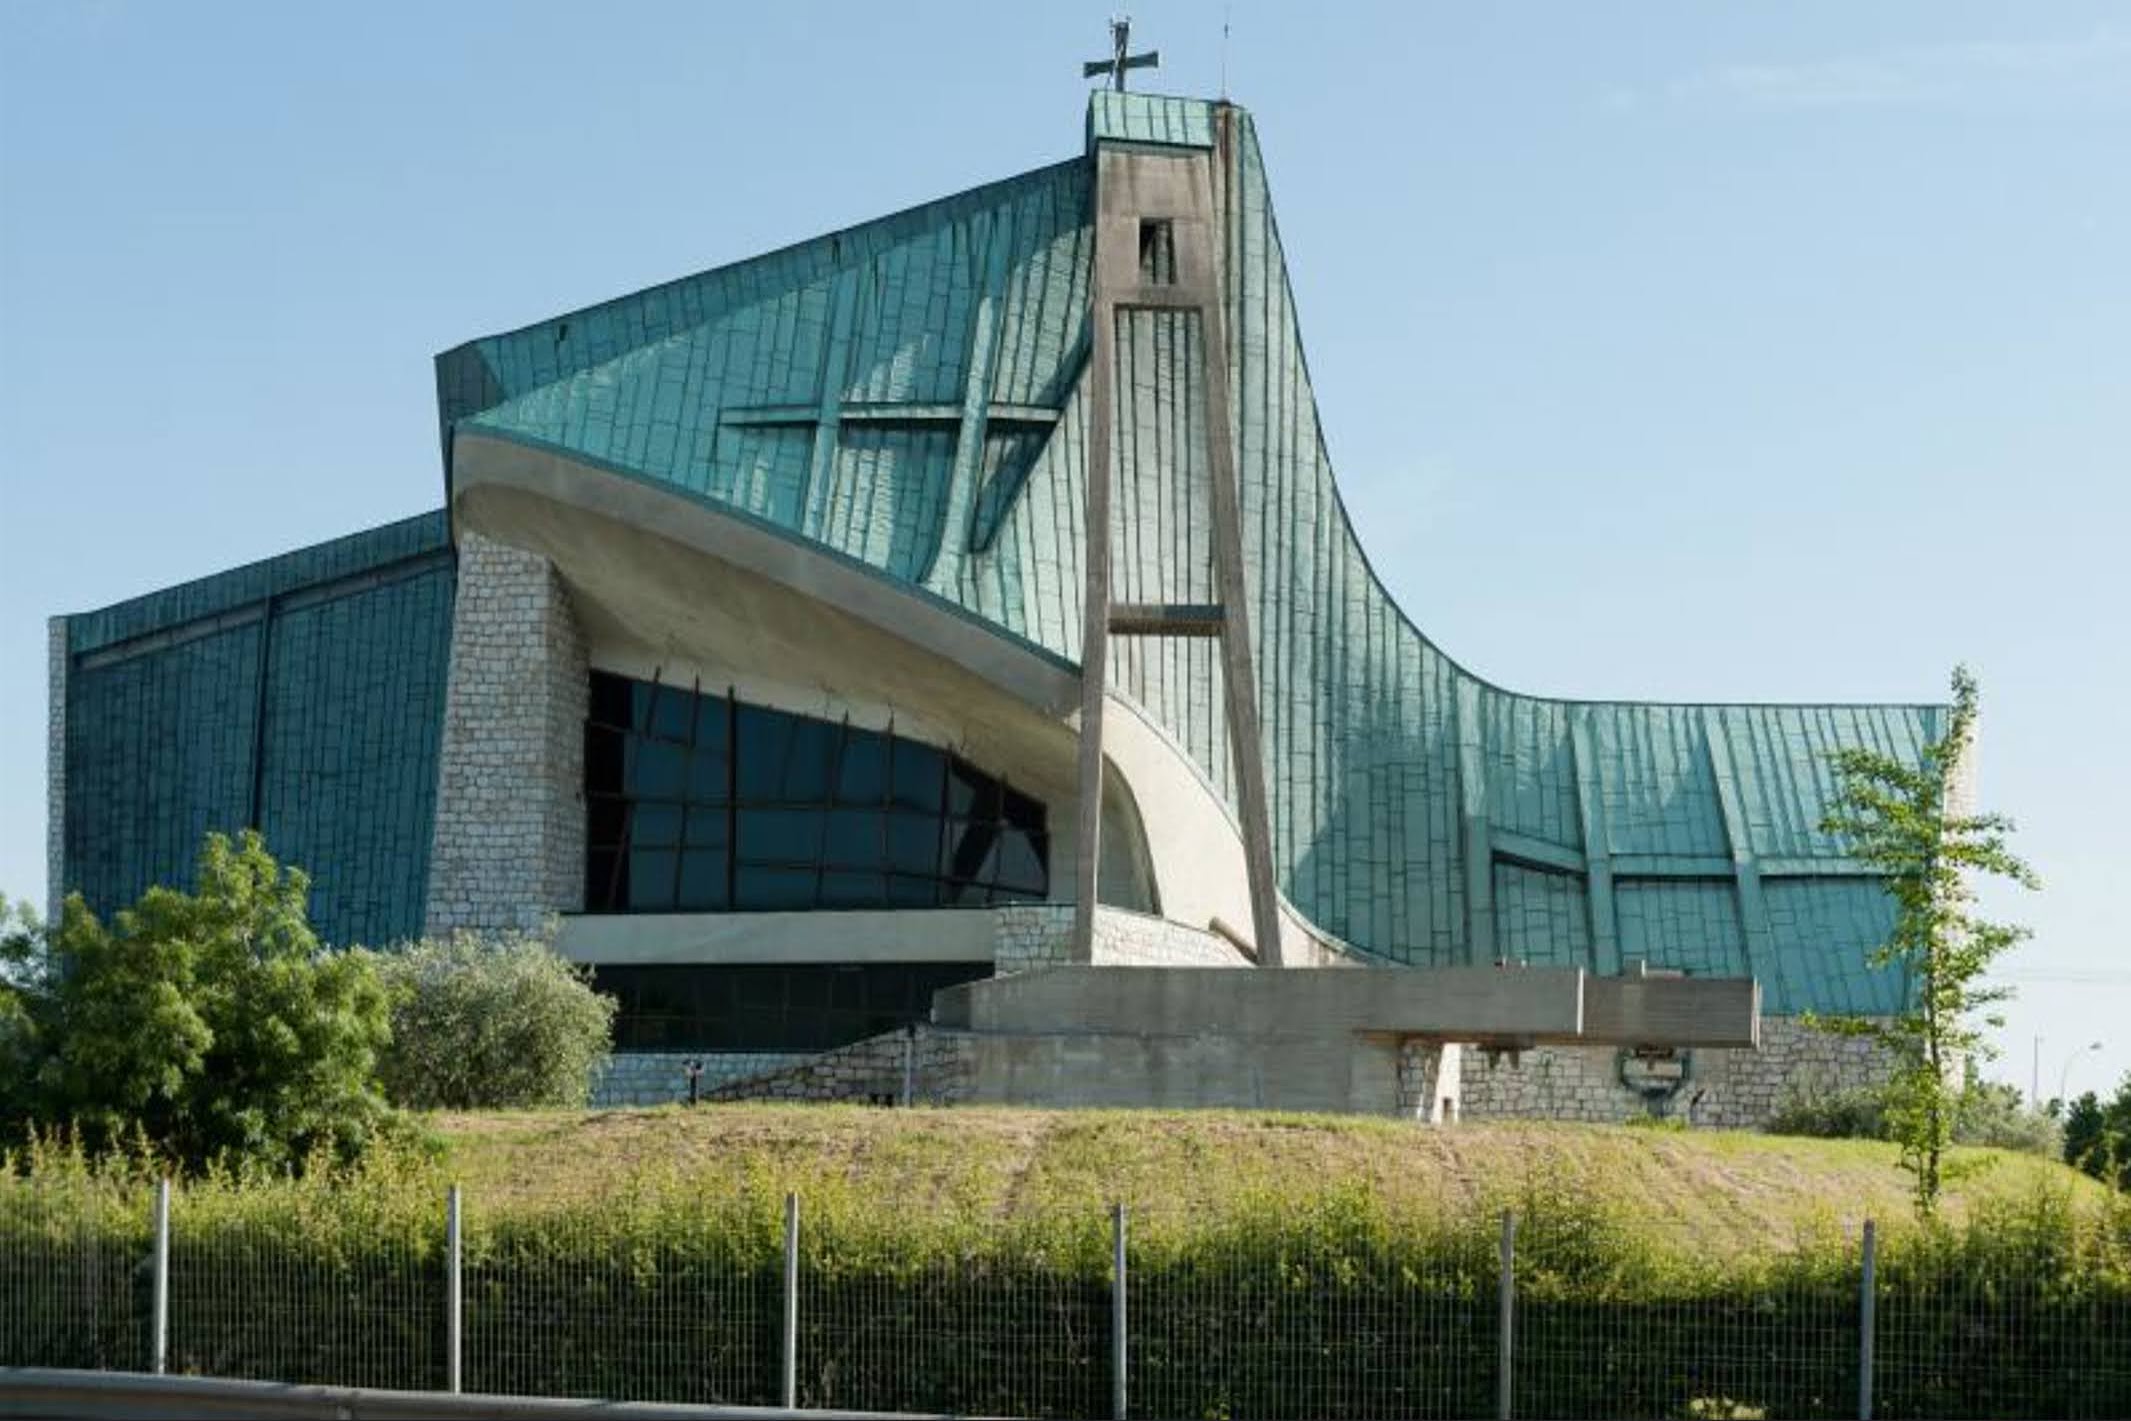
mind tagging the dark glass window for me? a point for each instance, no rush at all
(810, 1007)
(698, 803)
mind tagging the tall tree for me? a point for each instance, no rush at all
(1903, 821)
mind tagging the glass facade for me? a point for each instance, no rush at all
(809, 1007)
(701, 803)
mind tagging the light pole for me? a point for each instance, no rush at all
(2034, 1077)
(2066, 1074)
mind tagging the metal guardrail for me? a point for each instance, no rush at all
(58, 1394)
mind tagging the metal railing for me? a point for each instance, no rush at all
(1536, 1318)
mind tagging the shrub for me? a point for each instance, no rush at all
(210, 1025)
(1993, 1115)
(1831, 1115)
(490, 1023)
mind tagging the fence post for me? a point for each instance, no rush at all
(1867, 1295)
(790, 1389)
(1118, 1352)
(159, 1344)
(1506, 1293)
(454, 1294)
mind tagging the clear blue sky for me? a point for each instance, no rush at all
(1673, 350)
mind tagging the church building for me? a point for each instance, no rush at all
(843, 644)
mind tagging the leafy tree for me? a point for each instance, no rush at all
(1895, 817)
(491, 1023)
(210, 1023)
(2097, 1135)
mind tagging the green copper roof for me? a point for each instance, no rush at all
(303, 694)
(909, 393)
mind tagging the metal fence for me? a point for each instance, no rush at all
(1535, 1317)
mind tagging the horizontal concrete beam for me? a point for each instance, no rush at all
(860, 935)
(1464, 1003)
(1708, 1012)
(1520, 1006)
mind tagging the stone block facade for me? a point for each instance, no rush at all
(55, 769)
(1430, 1081)
(508, 848)
(920, 1066)
(1030, 935)
(660, 1077)
(1734, 1088)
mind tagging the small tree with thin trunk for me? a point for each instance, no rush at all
(1897, 818)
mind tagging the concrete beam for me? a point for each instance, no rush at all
(1597, 844)
(1707, 1012)
(900, 935)
(1456, 1003)
(1527, 1006)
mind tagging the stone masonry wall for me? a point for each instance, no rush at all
(55, 768)
(509, 839)
(938, 1065)
(1430, 1075)
(658, 1077)
(1040, 935)
(1732, 1088)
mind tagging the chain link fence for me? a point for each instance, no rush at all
(1310, 1312)
(76, 1278)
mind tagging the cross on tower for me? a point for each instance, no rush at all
(1119, 61)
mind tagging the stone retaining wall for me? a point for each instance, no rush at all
(657, 1077)
(1733, 1088)
(937, 1065)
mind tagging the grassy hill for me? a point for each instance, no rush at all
(961, 1260)
(1725, 1189)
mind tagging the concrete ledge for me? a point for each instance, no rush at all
(1672, 1011)
(1517, 1006)
(859, 935)
(1456, 1003)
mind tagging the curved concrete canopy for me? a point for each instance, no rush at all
(484, 465)
(698, 598)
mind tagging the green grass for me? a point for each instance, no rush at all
(1731, 1189)
(960, 1260)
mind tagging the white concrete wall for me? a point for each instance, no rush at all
(1194, 846)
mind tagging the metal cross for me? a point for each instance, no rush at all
(1119, 61)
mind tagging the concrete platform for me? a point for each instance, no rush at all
(1185, 1038)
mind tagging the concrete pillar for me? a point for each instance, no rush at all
(508, 846)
